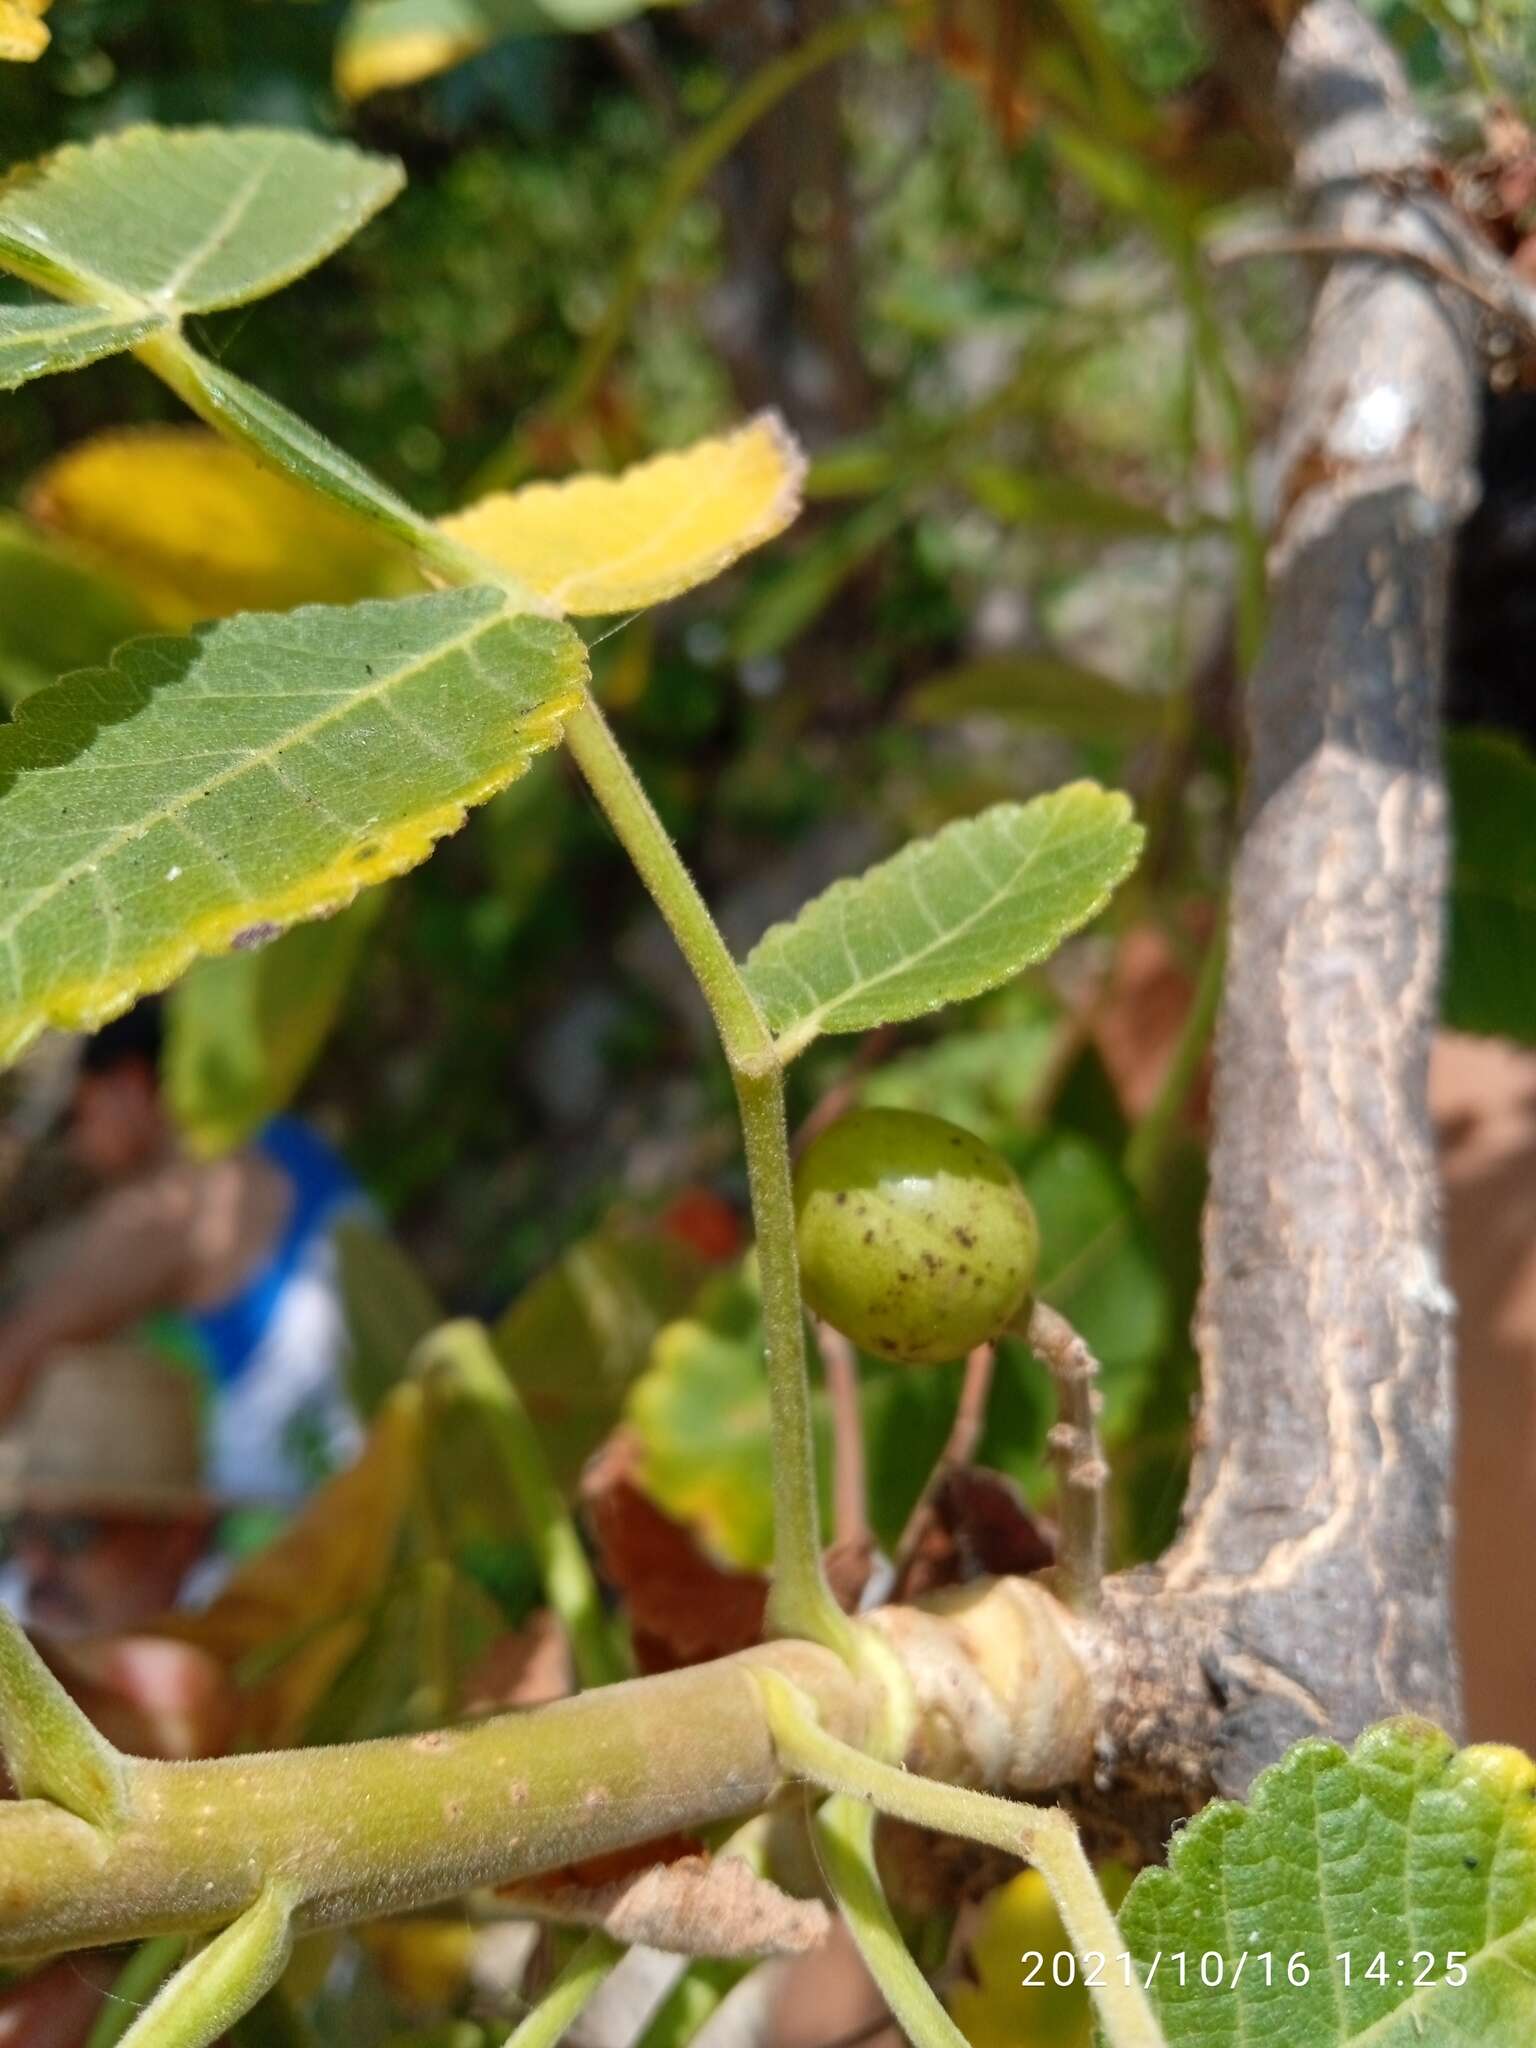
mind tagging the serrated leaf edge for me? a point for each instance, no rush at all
(1484, 1760)
(23, 260)
(94, 1000)
(781, 510)
(790, 1043)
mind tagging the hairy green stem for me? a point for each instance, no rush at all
(845, 1834)
(801, 1603)
(700, 156)
(458, 1358)
(282, 440)
(51, 1749)
(222, 1981)
(369, 1828)
(570, 1994)
(1043, 1836)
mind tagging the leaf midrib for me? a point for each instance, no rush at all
(247, 763)
(795, 1038)
(218, 235)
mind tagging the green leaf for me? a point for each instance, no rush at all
(165, 221)
(245, 1029)
(946, 918)
(36, 341)
(281, 439)
(982, 1071)
(56, 613)
(1490, 982)
(1039, 690)
(700, 1412)
(1065, 504)
(389, 1308)
(1405, 1849)
(204, 793)
(575, 1339)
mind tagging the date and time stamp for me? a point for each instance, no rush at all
(1213, 1971)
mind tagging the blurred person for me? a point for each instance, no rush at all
(103, 1510)
(229, 1261)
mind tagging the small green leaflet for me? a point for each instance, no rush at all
(148, 224)
(946, 918)
(35, 341)
(1414, 1860)
(203, 793)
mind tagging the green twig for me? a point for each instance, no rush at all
(567, 1998)
(1043, 1836)
(368, 1828)
(222, 1981)
(801, 1603)
(458, 1359)
(845, 1833)
(51, 1749)
(699, 157)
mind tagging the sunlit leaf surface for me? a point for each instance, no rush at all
(946, 918)
(202, 794)
(612, 544)
(1401, 1874)
(198, 528)
(153, 222)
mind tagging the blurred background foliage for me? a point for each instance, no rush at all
(977, 258)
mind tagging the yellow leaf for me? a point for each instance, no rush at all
(368, 64)
(616, 544)
(1027, 1990)
(22, 35)
(199, 530)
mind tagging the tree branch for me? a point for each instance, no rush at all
(1309, 1590)
(368, 1828)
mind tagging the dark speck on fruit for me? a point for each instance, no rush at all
(842, 1196)
(964, 1237)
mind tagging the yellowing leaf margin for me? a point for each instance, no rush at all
(602, 544)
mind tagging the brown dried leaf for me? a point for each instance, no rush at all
(974, 1524)
(683, 1607)
(698, 1906)
(524, 1669)
(302, 1601)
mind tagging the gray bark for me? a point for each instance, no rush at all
(1309, 1590)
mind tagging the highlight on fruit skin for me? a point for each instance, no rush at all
(916, 1239)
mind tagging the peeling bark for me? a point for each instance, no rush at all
(1309, 1590)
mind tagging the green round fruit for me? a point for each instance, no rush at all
(916, 1239)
